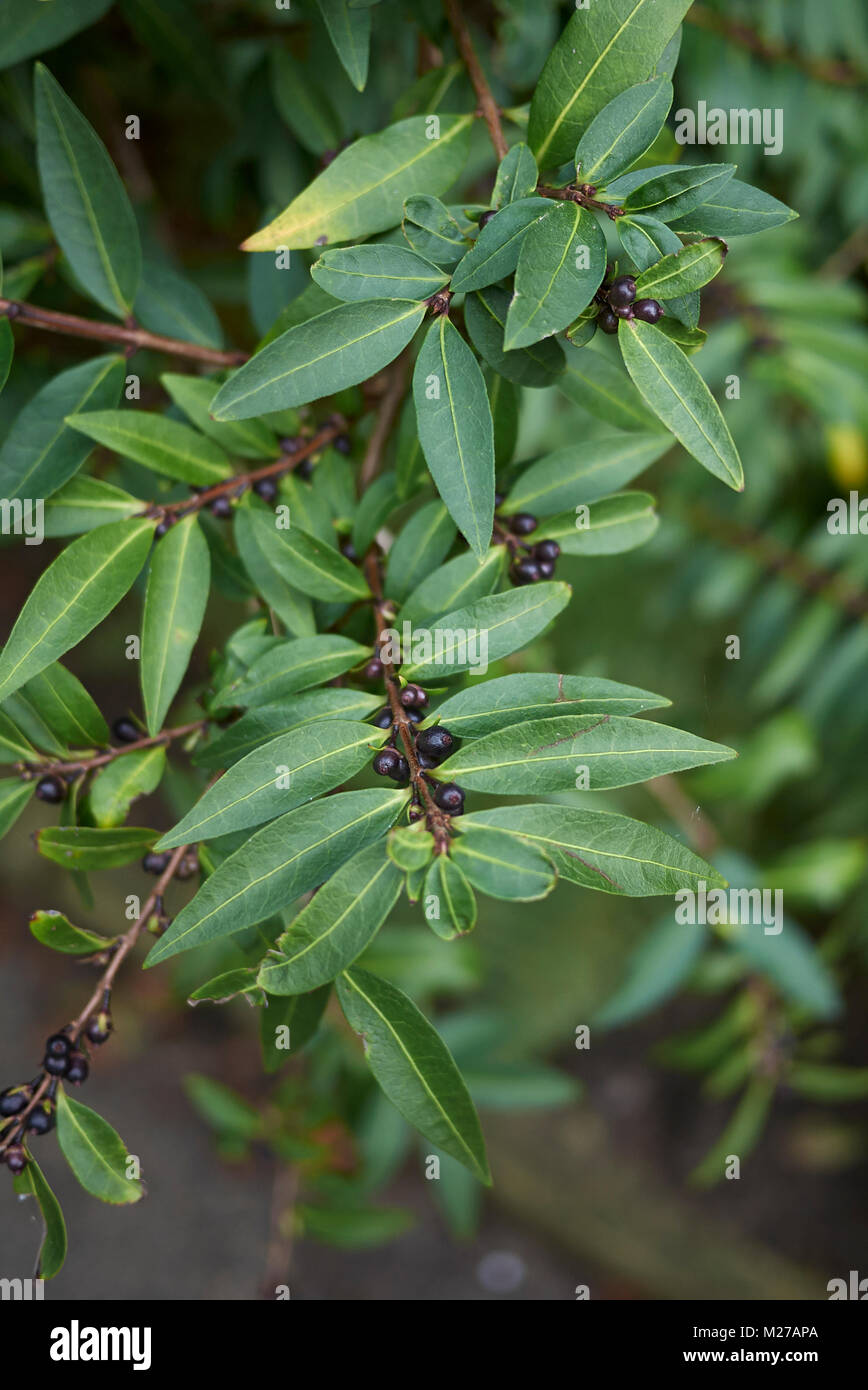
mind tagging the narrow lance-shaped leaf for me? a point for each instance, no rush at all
(450, 903)
(277, 864)
(377, 272)
(454, 585)
(87, 847)
(363, 190)
(14, 796)
(294, 609)
(583, 472)
(496, 250)
(268, 721)
(503, 866)
(307, 562)
(339, 348)
(419, 548)
(434, 230)
(336, 925)
(164, 445)
(52, 1251)
(607, 527)
(737, 209)
(455, 430)
(600, 387)
(673, 194)
(71, 597)
(67, 708)
(116, 786)
(175, 602)
(54, 930)
(252, 439)
(560, 268)
(349, 29)
(622, 131)
(31, 26)
(516, 176)
(85, 200)
(506, 700)
(291, 666)
(485, 631)
(95, 1152)
(414, 1067)
(673, 388)
(688, 269)
(85, 503)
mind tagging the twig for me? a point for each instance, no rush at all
(284, 1192)
(100, 759)
(128, 335)
(487, 104)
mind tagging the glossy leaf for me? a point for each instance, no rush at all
(377, 272)
(67, 708)
(171, 304)
(455, 584)
(52, 1251)
(495, 704)
(85, 847)
(306, 562)
(485, 317)
(175, 601)
(671, 195)
(736, 209)
(277, 864)
(622, 131)
(561, 265)
(434, 230)
(688, 269)
(516, 176)
(291, 666)
(251, 439)
(601, 388)
(450, 904)
(301, 1014)
(54, 930)
(95, 1152)
(163, 445)
(85, 503)
(495, 252)
(350, 31)
(116, 786)
(71, 597)
(607, 527)
(500, 865)
(269, 721)
(14, 796)
(255, 543)
(510, 620)
(414, 1067)
(583, 472)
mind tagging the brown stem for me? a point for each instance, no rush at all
(487, 104)
(832, 70)
(583, 195)
(100, 759)
(284, 1193)
(129, 336)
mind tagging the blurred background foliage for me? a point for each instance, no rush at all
(701, 1045)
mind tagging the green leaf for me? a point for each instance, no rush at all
(485, 319)
(85, 847)
(737, 209)
(414, 1067)
(52, 1251)
(820, 1082)
(282, 774)
(14, 796)
(410, 847)
(71, 597)
(254, 544)
(62, 701)
(671, 386)
(435, 231)
(251, 439)
(351, 1228)
(116, 786)
(546, 754)
(175, 601)
(32, 26)
(336, 925)
(85, 503)
(603, 49)
(278, 863)
(301, 1014)
(597, 849)
(291, 666)
(269, 721)
(622, 131)
(506, 621)
(163, 445)
(86, 202)
(32, 725)
(363, 190)
(495, 252)
(171, 304)
(374, 509)
(377, 272)
(502, 866)
(552, 283)
(349, 29)
(40, 452)
(583, 472)
(598, 386)
(14, 745)
(304, 105)
(671, 195)
(221, 1108)
(54, 930)
(663, 961)
(339, 348)
(455, 430)
(95, 1152)
(689, 269)
(450, 903)
(506, 700)
(645, 239)
(305, 561)
(741, 1134)
(608, 527)
(418, 548)
(516, 176)
(232, 984)
(455, 584)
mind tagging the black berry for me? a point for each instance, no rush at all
(624, 311)
(305, 469)
(13, 1101)
(386, 762)
(55, 1066)
(266, 488)
(16, 1159)
(413, 697)
(425, 760)
(51, 789)
(546, 550)
(486, 217)
(525, 571)
(41, 1120)
(98, 1026)
(546, 568)
(608, 321)
(188, 867)
(415, 716)
(221, 507)
(622, 291)
(163, 527)
(374, 669)
(78, 1068)
(648, 310)
(401, 775)
(349, 550)
(522, 524)
(155, 863)
(450, 797)
(383, 718)
(125, 731)
(415, 813)
(58, 1045)
(343, 444)
(437, 742)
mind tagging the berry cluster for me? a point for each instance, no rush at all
(619, 301)
(64, 1058)
(538, 562)
(431, 747)
(52, 788)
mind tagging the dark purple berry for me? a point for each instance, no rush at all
(305, 469)
(624, 311)
(486, 217)
(546, 550)
(413, 697)
(221, 507)
(608, 321)
(78, 1068)
(648, 310)
(374, 669)
(343, 444)
(55, 1066)
(437, 742)
(401, 774)
(16, 1159)
(622, 291)
(51, 789)
(425, 760)
(13, 1101)
(348, 550)
(546, 568)
(522, 523)
(154, 863)
(415, 716)
(525, 571)
(386, 762)
(415, 813)
(266, 488)
(41, 1120)
(58, 1045)
(163, 527)
(188, 867)
(125, 731)
(383, 719)
(98, 1026)
(449, 797)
